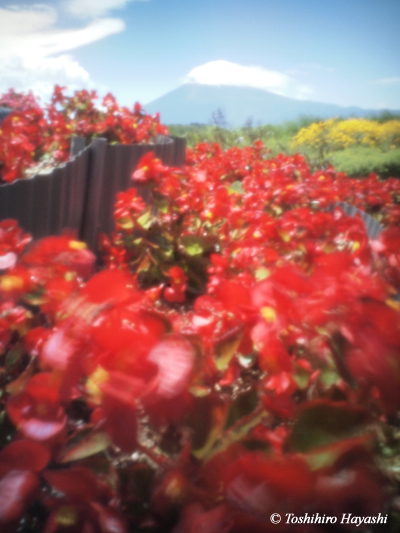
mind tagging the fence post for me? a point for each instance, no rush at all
(92, 196)
(77, 145)
(179, 151)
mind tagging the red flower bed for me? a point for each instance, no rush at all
(238, 356)
(33, 136)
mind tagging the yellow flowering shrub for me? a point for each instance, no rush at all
(354, 131)
(334, 134)
(315, 136)
(390, 133)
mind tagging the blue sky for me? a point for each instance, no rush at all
(345, 52)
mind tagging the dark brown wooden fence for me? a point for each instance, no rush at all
(46, 204)
(80, 195)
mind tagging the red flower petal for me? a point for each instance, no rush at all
(44, 387)
(36, 420)
(195, 518)
(16, 489)
(114, 286)
(8, 260)
(25, 455)
(77, 484)
(175, 359)
(261, 484)
(110, 520)
(121, 424)
(43, 430)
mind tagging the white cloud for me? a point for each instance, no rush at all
(40, 74)
(36, 35)
(226, 73)
(33, 49)
(387, 81)
(94, 8)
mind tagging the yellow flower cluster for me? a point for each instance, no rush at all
(353, 131)
(334, 134)
(390, 133)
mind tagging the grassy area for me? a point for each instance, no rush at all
(360, 161)
(276, 137)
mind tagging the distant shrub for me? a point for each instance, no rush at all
(360, 161)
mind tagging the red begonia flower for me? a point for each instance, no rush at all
(36, 411)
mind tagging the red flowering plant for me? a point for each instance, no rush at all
(238, 357)
(33, 136)
(22, 135)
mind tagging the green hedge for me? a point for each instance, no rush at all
(360, 161)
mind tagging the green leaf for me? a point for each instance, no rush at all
(146, 219)
(238, 432)
(226, 349)
(262, 273)
(193, 244)
(162, 206)
(323, 422)
(301, 377)
(245, 404)
(145, 263)
(37, 297)
(329, 377)
(326, 456)
(199, 391)
(90, 445)
(126, 223)
(235, 188)
(14, 355)
(18, 385)
(207, 422)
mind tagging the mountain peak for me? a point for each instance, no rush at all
(196, 103)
